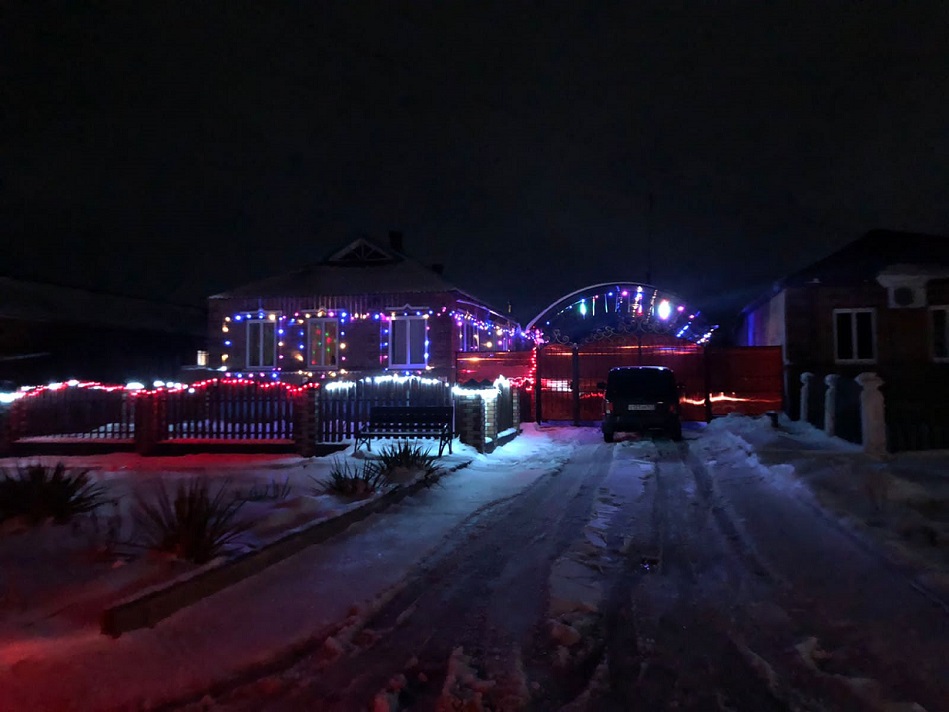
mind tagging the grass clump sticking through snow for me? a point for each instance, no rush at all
(272, 491)
(38, 492)
(193, 525)
(406, 457)
(351, 481)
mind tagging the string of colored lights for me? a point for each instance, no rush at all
(310, 344)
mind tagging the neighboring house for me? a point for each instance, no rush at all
(51, 332)
(365, 309)
(879, 304)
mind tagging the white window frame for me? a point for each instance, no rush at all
(853, 334)
(259, 347)
(932, 333)
(309, 344)
(403, 362)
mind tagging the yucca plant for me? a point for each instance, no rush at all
(408, 457)
(39, 492)
(350, 481)
(194, 525)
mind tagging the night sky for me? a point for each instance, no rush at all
(177, 150)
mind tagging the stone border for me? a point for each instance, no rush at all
(146, 608)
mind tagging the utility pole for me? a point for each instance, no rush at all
(650, 219)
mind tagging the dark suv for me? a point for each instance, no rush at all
(641, 398)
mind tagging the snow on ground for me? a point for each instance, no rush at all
(326, 590)
(287, 605)
(899, 501)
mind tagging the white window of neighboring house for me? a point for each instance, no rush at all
(939, 319)
(854, 335)
(261, 343)
(408, 342)
(323, 343)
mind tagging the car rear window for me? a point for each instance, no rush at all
(641, 384)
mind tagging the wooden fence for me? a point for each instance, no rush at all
(343, 406)
(227, 410)
(74, 412)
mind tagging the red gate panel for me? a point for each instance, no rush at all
(745, 379)
(683, 357)
(555, 375)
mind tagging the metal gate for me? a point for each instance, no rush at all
(712, 381)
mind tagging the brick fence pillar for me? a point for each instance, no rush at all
(9, 428)
(306, 421)
(151, 422)
(469, 420)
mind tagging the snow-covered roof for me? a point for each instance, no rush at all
(864, 259)
(38, 301)
(362, 267)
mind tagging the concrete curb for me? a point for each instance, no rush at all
(145, 609)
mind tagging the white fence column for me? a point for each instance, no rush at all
(872, 414)
(830, 404)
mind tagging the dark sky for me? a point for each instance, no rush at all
(177, 150)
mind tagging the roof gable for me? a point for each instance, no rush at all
(361, 252)
(361, 267)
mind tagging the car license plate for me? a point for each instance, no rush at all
(640, 406)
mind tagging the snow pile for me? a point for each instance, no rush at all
(900, 501)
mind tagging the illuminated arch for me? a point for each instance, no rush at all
(617, 309)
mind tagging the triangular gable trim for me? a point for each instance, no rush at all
(361, 251)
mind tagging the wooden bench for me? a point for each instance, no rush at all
(404, 421)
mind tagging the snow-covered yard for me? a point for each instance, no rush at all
(53, 633)
(58, 576)
(55, 627)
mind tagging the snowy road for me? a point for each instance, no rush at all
(643, 575)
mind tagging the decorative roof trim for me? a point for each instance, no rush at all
(361, 252)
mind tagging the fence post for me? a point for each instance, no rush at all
(306, 419)
(872, 413)
(806, 378)
(830, 404)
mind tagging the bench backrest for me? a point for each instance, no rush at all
(411, 414)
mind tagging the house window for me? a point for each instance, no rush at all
(939, 318)
(323, 343)
(408, 342)
(261, 343)
(854, 335)
(468, 334)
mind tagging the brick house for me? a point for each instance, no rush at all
(879, 304)
(365, 309)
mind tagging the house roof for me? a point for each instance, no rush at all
(863, 259)
(362, 267)
(23, 299)
(866, 257)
